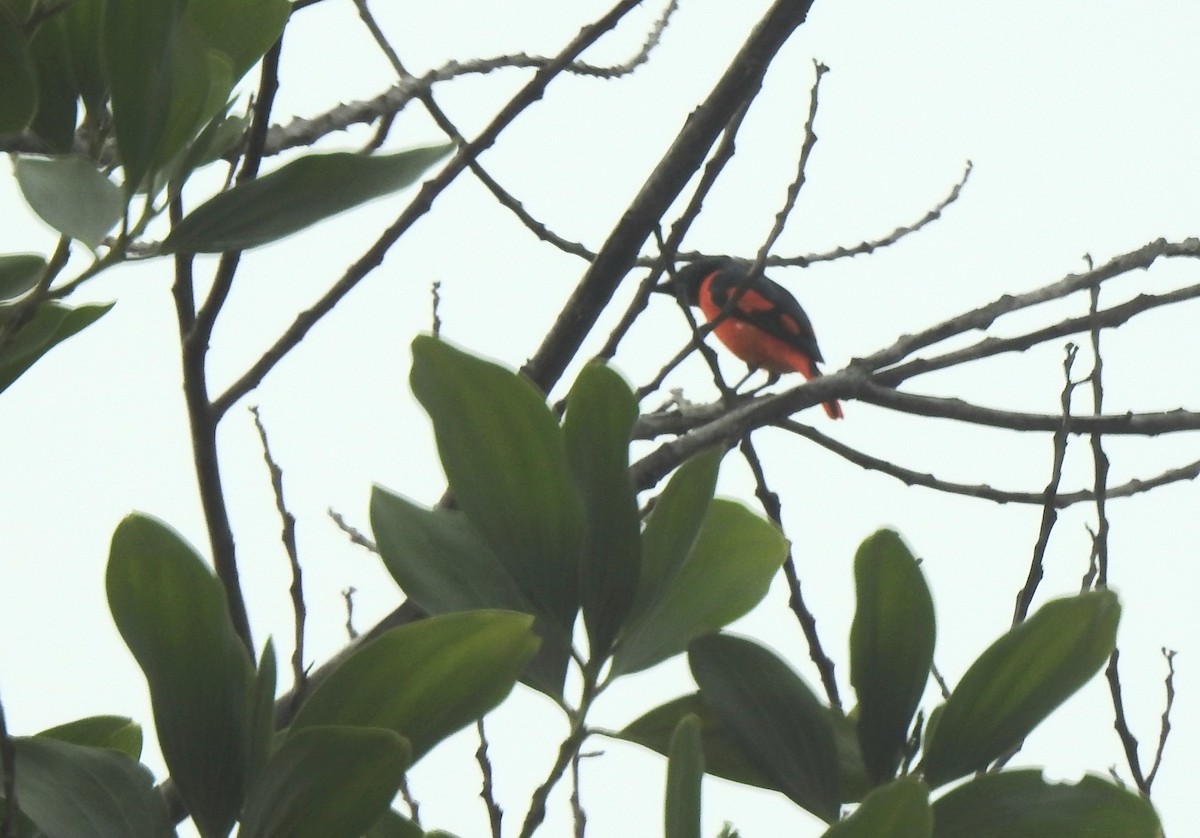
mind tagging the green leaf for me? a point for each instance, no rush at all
(242, 30)
(1019, 681)
(425, 680)
(54, 121)
(781, 726)
(601, 410)
(440, 560)
(201, 80)
(171, 612)
(1022, 803)
(115, 732)
(18, 84)
(326, 782)
(394, 825)
(685, 769)
(673, 526)
(262, 715)
(138, 47)
(51, 325)
(723, 756)
(899, 809)
(298, 195)
(70, 195)
(891, 648)
(82, 21)
(79, 791)
(503, 454)
(19, 273)
(726, 574)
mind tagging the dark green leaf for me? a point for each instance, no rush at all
(115, 732)
(899, 809)
(723, 756)
(425, 680)
(171, 612)
(18, 84)
(1012, 803)
(242, 30)
(503, 454)
(298, 195)
(673, 526)
(262, 715)
(852, 773)
(82, 21)
(19, 272)
(891, 648)
(1019, 681)
(394, 825)
(601, 410)
(685, 769)
(138, 50)
(52, 324)
(54, 121)
(77, 791)
(201, 80)
(439, 559)
(326, 782)
(726, 574)
(70, 195)
(775, 718)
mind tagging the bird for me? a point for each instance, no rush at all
(766, 327)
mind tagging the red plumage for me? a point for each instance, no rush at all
(766, 328)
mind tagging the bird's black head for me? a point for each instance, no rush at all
(692, 274)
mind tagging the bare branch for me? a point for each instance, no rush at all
(1128, 740)
(1049, 507)
(487, 792)
(420, 205)
(289, 545)
(1165, 727)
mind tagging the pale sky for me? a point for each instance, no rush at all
(1079, 119)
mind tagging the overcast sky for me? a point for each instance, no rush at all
(1080, 121)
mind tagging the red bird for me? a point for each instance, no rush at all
(766, 328)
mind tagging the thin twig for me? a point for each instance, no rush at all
(579, 815)
(1120, 723)
(418, 207)
(1099, 458)
(288, 537)
(1165, 727)
(414, 809)
(356, 537)
(1049, 508)
(348, 597)
(488, 789)
(808, 623)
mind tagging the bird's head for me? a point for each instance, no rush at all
(690, 276)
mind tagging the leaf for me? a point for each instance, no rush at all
(1019, 681)
(891, 648)
(171, 612)
(115, 732)
(51, 325)
(685, 768)
(18, 84)
(673, 526)
(138, 45)
(81, 22)
(70, 195)
(439, 559)
(727, 573)
(425, 680)
(1022, 803)
(54, 121)
(899, 809)
(19, 273)
(601, 410)
(262, 715)
(79, 791)
(394, 825)
(723, 756)
(781, 726)
(327, 782)
(503, 454)
(242, 30)
(297, 195)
